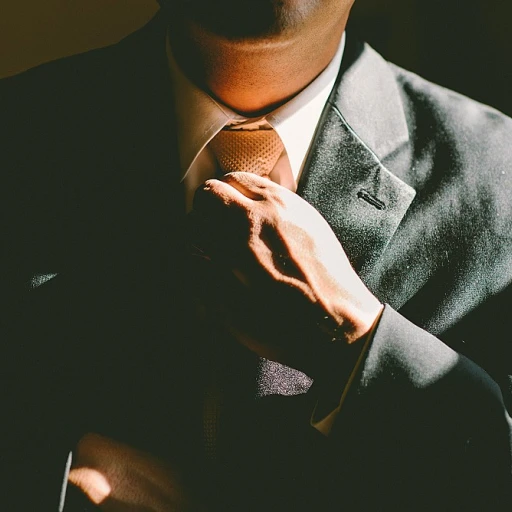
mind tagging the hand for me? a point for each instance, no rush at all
(119, 478)
(276, 275)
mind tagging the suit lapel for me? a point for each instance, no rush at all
(344, 179)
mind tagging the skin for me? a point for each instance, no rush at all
(255, 74)
(269, 268)
(119, 478)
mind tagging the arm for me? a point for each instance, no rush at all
(281, 253)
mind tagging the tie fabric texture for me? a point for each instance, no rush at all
(255, 151)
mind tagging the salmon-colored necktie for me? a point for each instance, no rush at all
(255, 151)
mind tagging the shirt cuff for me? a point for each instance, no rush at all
(333, 387)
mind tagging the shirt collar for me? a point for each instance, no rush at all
(199, 117)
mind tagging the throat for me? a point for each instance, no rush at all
(252, 77)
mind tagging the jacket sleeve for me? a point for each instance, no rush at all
(414, 393)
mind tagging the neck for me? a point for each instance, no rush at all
(253, 77)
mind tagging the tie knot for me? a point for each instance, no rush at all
(255, 151)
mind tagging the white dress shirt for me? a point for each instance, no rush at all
(200, 117)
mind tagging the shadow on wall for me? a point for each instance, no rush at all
(462, 45)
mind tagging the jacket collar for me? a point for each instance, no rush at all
(363, 124)
(369, 100)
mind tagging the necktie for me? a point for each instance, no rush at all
(255, 151)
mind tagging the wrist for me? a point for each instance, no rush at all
(351, 325)
(343, 346)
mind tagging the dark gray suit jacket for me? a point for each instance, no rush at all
(414, 180)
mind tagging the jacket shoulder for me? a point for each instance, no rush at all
(85, 79)
(459, 146)
(469, 125)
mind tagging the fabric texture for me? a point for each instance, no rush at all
(97, 325)
(254, 151)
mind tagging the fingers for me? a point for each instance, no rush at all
(227, 220)
(218, 218)
(216, 194)
(235, 189)
(222, 213)
(250, 185)
(117, 477)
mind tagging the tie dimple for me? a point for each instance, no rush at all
(255, 151)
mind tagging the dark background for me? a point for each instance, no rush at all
(462, 44)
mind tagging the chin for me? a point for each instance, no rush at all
(245, 19)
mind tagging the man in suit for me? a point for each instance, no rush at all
(240, 357)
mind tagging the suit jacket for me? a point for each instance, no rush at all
(98, 336)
